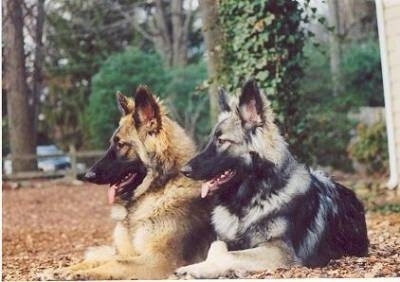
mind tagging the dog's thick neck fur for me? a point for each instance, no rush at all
(168, 158)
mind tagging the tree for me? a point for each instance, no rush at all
(81, 35)
(264, 40)
(186, 98)
(213, 40)
(21, 129)
(120, 72)
(167, 25)
(37, 78)
(334, 43)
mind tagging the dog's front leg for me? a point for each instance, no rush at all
(212, 267)
(221, 263)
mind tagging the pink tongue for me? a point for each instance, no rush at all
(205, 188)
(111, 194)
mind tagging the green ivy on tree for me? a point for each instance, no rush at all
(264, 39)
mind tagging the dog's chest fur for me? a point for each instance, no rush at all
(147, 217)
(261, 215)
(132, 225)
(240, 233)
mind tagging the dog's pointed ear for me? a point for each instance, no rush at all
(223, 101)
(251, 106)
(147, 111)
(125, 105)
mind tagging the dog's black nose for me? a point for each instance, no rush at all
(186, 170)
(89, 176)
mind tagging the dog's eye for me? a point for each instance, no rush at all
(120, 145)
(221, 141)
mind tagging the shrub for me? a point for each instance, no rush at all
(120, 72)
(361, 67)
(187, 102)
(370, 147)
(326, 128)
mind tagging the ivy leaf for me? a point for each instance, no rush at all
(262, 75)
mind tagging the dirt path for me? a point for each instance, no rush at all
(52, 226)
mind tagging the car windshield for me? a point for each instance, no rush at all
(48, 150)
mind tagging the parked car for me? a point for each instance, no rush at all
(55, 163)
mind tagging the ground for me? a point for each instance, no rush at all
(50, 224)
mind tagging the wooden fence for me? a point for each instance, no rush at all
(72, 171)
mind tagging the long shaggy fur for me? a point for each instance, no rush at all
(161, 222)
(271, 204)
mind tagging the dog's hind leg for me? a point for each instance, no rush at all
(133, 268)
(220, 262)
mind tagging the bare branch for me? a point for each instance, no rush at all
(132, 20)
(162, 22)
(188, 19)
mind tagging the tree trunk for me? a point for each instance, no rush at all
(20, 123)
(178, 42)
(37, 65)
(213, 40)
(163, 40)
(334, 21)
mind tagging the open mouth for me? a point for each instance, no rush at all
(121, 187)
(216, 182)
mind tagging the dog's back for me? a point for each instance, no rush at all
(335, 219)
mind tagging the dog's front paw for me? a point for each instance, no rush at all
(78, 275)
(55, 275)
(202, 270)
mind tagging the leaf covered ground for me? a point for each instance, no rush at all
(50, 224)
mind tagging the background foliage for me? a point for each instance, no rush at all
(267, 40)
(328, 127)
(120, 72)
(370, 147)
(94, 48)
(362, 72)
(125, 71)
(80, 36)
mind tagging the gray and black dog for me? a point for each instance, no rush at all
(270, 211)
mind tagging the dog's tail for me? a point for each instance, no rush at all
(352, 222)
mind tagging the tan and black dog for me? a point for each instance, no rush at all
(161, 222)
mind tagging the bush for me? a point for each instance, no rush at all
(326, 128)
(370, 147)
(361, 67)
(120, 72)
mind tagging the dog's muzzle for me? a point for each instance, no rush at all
(89, 176)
